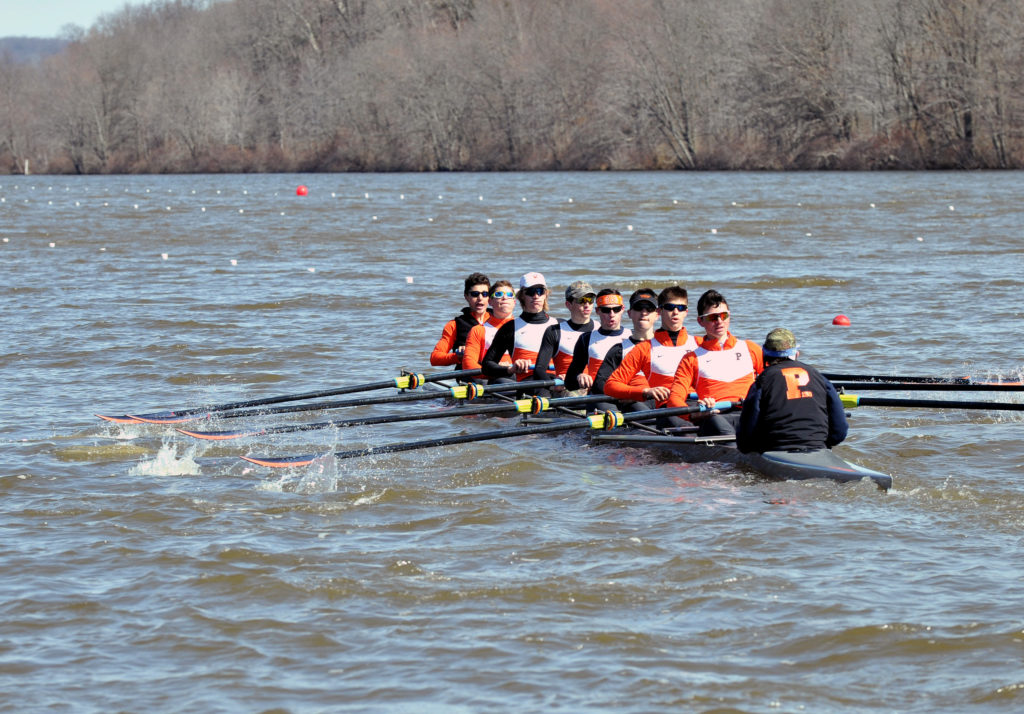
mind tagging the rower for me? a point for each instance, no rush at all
(790, 406)
(449, 349)
(646, 373)
(579, 301)
(480, 337)
(721, 369)
(643, 313)
(592, 347)
(531, 339)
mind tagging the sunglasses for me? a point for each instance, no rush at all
(535, 291)
(644, 307)
(587, 300)
(715, 317)
(611, 310)
(478, 293)
(503, 294)
(672, 306)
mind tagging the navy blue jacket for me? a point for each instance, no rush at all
(791, 407)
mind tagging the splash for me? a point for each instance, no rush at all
(167, 463)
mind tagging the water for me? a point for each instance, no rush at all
(146, 571)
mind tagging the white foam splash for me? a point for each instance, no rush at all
(167, 463)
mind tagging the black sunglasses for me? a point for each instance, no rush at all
(535, 291)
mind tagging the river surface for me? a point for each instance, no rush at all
(145, 571)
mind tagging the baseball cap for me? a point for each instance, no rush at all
(531, 279)
(780, 342)
(579, 289)
(643, 295)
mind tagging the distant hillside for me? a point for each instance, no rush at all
(29, 50)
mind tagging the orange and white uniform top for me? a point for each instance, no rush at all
(567, 343)
(453, 336)
(656, 360)
(599, 345)
(479, 339)
(532, 336)
(722, 370)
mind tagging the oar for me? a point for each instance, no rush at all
(932, 386)
(603, 420)
(465, 391)
(533, 405)
(406, 381)
(853, 400)
(920, 380)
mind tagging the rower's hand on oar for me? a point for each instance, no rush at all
(659, 394)
(708, 402)
(585, 381)
(520, 366)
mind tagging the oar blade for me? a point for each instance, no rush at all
(119, 419)
(167, 418)
(221, 435)
(282, 462)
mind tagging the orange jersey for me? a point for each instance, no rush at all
(479, 339)
(723, 371)
(453, 336)
(656, 361)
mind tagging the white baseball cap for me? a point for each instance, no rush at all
(531, 279)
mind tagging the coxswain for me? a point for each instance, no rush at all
(790, 406)
(530, 340)
(655, 360)
(592, 347)
(721, 369)
(502, 303)
(579, 301)
(449, 349)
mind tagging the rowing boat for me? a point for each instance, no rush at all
(781, 465)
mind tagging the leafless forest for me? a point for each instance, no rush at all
(428, 85)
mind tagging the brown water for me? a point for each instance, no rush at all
(145, 571)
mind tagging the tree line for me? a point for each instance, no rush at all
(450, 85)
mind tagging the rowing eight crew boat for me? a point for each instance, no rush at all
(613, 428)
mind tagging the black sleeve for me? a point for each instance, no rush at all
(746, 431)
(548, 347)
(611, 360)
(580, 358)
(504, 340)
(837, 426)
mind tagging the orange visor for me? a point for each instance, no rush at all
(609, 300)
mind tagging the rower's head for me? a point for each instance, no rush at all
(780, 345)
(503, 299)
(672, 306)
(579, 300)
(533, 292)
(477, 292)
(713, 314)
(609, 308)
(643, 309)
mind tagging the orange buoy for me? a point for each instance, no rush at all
(841, 320)
(301, 191)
